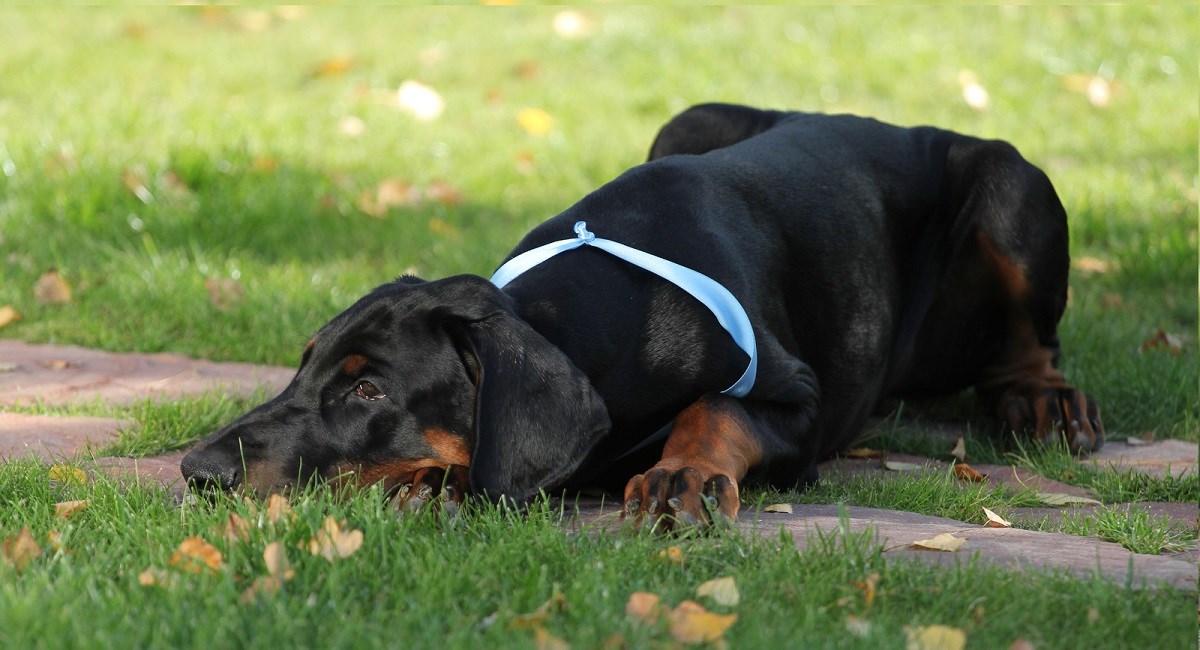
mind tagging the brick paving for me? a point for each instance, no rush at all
(63, 374)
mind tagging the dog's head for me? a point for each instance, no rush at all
(416, 374)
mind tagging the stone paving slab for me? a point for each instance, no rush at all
(53, 438)
(1007, 547)
(57, 374)
(1174, 457)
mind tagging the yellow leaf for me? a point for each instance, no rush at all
(868, 585)
(8, 315)
(535, 121)
(66, 509)
(52, 289)
(935, 637)
(54, 540)
(1142, 440)
(960, 450)
(1165, 341)
(332, 543)
(865, 452)
(534, 619)
(333, 67)
(1060, 499)
(194, 554)
(995, 520)
(278, 509)
(156, 577)
(900, 466)
(672, 554)
(275, 557)
(965, 472)
(543, 640)
(21, 550)
(691, 623)
(67, 475)
(1090, 265)
(444, 193)
(944, 542)
(236, 529)
(723, 591)
(779, 507)
(643, 606)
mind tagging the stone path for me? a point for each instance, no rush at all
(62, 375)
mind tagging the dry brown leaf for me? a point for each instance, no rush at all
(65, 509)
(644, 606)
(960, 450)
(779, 507)
(224, 293)
(333, 543)
(865, 452)
(722, 591)
(388, 194)
(526, 165)
(236, 529)
(996, 521)
(8, 315)
(944, 542)
(442, 192)
(1091, 265)
(1165, 341)
(1060, 499)
(52, 289)
(157, 577)
(900, 466)
(21, 549)
(965, 472)
(261, 585)
(1140, 441)
(278, 509)
(1021, 644)
(67, 475)
(691, 623)
(275, 557)
(1112, 301)
(194, 554)
(332, 67)
(266, 164)
(535, 121)
(534, 619)
(135, 180)
(543, 640)
(672, 554)
(868, 586)
(174, 184)
(935, 637)
(443, 228)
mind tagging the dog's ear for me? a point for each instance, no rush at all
(537, 416)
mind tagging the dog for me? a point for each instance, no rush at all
(833, 260)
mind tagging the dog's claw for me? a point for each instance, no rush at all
(679, 499)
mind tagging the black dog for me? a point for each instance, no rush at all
(866, 261)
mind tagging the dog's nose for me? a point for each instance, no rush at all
(202, 471)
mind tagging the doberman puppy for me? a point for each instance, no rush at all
(871, 262)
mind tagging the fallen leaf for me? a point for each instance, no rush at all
(960, 450)
(779, 507)
(1163, 340)
(867, 585)
(443, 228)
(965, 472)
(266, 164)
(995, 520)
(332, 543)
(52, 289)
(57, 364)
(174, 184)
(351, 126)
(722, 591)
(67, 475)
(644, 606)
(261, 585)
(156, 577)
(1060, 499)
(420, 101)
(65, 509)
(194, 554)
(860, 628)
(1091, 265)
(1140, 441)
(278, 509)
(21, 549)
(135, 180)
(8, 366)
(388, 194)
(898, 466)
(691, 623)
(555, 603)
(291, 12)
(332, 67)
(1020, 644)
(935, 637)
(543, 640)
(54, 540)
(672, 554)
(444, 193)
(865, 452)
(535, 121)
(236, 529)
(8, 315)
(944, 542)
(254, 20)
(275, 557)
(224, 293)
(1112, 301)
(525, 163)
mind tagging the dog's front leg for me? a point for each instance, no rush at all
(711, 446)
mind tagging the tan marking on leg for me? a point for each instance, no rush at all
(448, 447)
(354, 364)
(713, 439)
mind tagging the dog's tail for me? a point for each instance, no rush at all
(705, 127)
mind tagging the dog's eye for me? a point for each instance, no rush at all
(366, 390)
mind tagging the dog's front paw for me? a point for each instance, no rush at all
(437, 488)
(676, 499)
(1051, 414)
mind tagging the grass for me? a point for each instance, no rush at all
(422, 580)
(224, 119)
(1137, 531)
